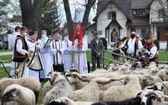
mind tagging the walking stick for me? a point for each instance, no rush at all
(79, 59)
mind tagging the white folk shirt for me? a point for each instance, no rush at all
(57, 45)
(131, 45)
(12, 39)
(153, 51)
(19, 48)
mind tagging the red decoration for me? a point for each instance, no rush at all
(78, 32)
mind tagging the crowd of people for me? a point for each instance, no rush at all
(134, 43)
(53, 54)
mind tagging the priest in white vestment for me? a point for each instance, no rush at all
(67, 55)
(57, 49)
(32, 46)
(46, 56)
(80, 59)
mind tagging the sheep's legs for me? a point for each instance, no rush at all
(36, 96)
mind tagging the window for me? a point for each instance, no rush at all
(133, 29)
(160, 13)
(143, 32)
(139, 13)
(111, 15)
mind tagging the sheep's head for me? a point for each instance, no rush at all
(147, 81)
(147, 98)
(124, 69)
(153, 71)
(11, 95)
(55, 76)
(131, 78)
(71, 78)
(112, 68)
(157, 86)
(163, 73)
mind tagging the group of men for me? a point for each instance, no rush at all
(54, 54)
(136, 43)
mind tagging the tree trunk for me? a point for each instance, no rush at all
(69, 18)
(86, 13)
(31, 13)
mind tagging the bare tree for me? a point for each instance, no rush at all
(88, 6)
(69, 18)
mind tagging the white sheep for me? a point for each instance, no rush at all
(120, 93)
(121, 71)
(61, 87)
(29, 82)
(20, 94)
(88, 93)
(46, 87)
(163, 74)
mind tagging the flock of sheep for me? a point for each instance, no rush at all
(115, 86)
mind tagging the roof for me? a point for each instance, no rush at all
(140, 4)
(124, 5)
(142, 21)
(92, 25)
(114, 21)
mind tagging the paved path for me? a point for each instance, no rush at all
(6, 53)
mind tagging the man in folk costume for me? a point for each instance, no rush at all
(33, 47)
(12, 44)
(116, 50)
(155, 41)
(131, 44)
(151, 51)
(21, 52)
(80, 60)
(45, 55)
(67, 55)
(57, 49)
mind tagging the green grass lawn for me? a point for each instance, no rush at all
(5, 57)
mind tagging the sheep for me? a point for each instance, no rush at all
(152, 98)
(142, 98)
(120, 93)
(121, 70)
(29, 82)
(163, 74)
(147, 80)
(4, 82)
(67, 101)
(112, 69)
(88, 93)
(61, 87)
(47, 86)
(20, 94)
(157, 86)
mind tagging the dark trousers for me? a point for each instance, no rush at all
(58, 67)
(94, 59)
